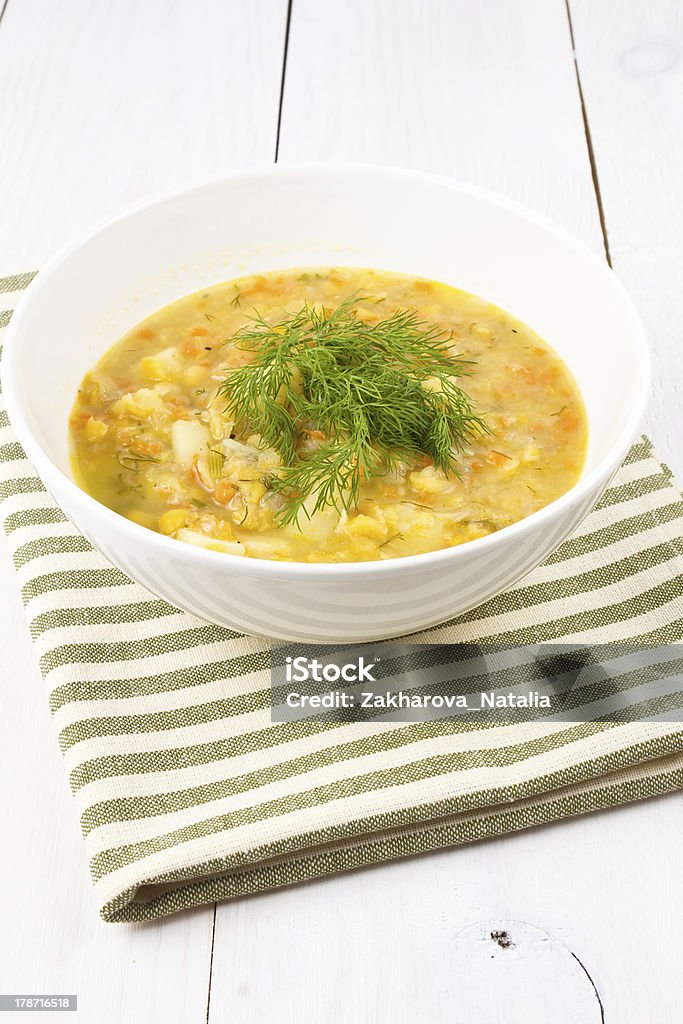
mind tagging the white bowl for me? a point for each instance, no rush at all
(95, 290)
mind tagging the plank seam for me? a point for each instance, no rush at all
(213, 942)
(282, 80)
(594, 986)
(589, 140)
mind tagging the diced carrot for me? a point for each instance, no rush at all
(497, 458)
(569, 420)
(176, 404)
(146, 332)
(147, 447)
(224, 491)
(199, 332)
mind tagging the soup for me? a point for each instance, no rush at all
(328, 415)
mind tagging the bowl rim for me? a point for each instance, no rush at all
(266, 568)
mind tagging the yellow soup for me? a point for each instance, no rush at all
(159, 436)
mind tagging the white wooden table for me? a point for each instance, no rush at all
(106, 101)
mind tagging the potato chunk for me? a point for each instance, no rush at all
(141, 404)
(188, 438)
(366, 526)
(94, 430)
(165, 365)
(172, 520)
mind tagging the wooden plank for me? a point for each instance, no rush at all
(100, 104)
(103, 103)
(631, 67)
(51, 937)
(403, 942)
(484, 91)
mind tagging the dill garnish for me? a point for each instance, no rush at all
(124, 487)
(397, 536)
(132, 460)
(417, 505)
(379, 393)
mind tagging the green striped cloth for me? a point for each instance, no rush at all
(188, 793)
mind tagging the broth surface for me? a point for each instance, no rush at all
(151, 440)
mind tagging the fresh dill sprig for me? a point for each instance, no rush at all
(380, 393)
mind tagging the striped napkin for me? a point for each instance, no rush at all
(189, 793)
